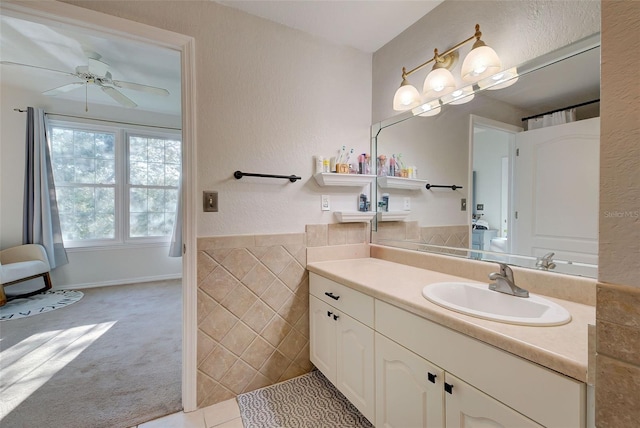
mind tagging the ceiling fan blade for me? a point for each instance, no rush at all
(35, 66)
(118, 96)
(62, 89)
(140, 87)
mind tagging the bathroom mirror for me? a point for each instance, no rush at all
(516, 196)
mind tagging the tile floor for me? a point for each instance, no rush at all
(222, 415)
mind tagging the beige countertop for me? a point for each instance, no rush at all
(561, 348)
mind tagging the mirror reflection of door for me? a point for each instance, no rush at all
(492, 160)
(557, 181)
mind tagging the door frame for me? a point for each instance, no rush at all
(70, 15)
(479, 121)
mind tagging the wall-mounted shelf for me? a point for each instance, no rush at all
(354, 216)
(394, 215)
(401, 183)
(347, 180)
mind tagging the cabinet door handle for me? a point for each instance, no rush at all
(329, 313)
(448, 388)
(333, 296)
(432, 377)
(335, 317)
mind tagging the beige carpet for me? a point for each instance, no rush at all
(111, 360)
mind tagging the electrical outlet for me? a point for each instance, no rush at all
(479, 207)
(407, 204)
(463, 204)
(325, 204)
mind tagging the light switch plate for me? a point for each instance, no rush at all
(326, 203)
(463, 204)
(210, 201)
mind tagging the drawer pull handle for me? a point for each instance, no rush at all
(432, 377)
(329, 313)
(335, 317)
(333, 296)
(448, 388)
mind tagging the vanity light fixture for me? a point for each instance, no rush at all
(500, 80)
(480, 63)
(429, 109)
(459, 96)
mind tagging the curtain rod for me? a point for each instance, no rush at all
(561, 109)
(104, 120)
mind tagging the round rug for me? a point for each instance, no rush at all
(39, 304)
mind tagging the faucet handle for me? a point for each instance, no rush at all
(506, 271)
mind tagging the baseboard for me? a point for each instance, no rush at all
(119, 282)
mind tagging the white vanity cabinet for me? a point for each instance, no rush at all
(341, 340)
(409, 389)
(427, 375)
(488, 384)
(411, 392)
(468, 407)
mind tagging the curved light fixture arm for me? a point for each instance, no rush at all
(443, 55)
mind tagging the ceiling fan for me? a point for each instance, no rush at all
(96, 72)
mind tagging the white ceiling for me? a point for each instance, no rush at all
(65, 48)
(366, 25)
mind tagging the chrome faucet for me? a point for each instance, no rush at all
(546, 262)
(504, 282)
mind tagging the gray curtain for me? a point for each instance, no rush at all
(41, 222)
(175, 249)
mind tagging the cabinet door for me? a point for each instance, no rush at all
(322, 338)
(409, 389)
(470, 408)
(355, 371)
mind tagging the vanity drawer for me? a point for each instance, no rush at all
(349, 301)
(549, 398)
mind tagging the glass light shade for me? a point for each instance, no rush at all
(500, 80)
(406, 97)
(429, 109)
(480, 63)
(459, 96)
(438, 82)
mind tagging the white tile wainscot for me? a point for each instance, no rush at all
(516, 375)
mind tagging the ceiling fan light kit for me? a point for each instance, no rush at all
(481, 66)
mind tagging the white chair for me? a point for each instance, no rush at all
(22, 263)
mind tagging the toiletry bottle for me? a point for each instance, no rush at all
(319, 164)
(392, 166)
(361, 168)
(382, 166)
(363, 202)
(325, 165)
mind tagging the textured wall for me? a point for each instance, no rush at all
(619, 148)
(618, 304)
(517, 30)
(253, 308)
(268, 98)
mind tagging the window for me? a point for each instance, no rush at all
(114, 185)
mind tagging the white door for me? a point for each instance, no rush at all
(557, 182)
(355, 373)
(470, 408)
(322, 338)
(409, 389)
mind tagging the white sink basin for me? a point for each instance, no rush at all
(478, 301)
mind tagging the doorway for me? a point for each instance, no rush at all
(491, 162)
(64, 15)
